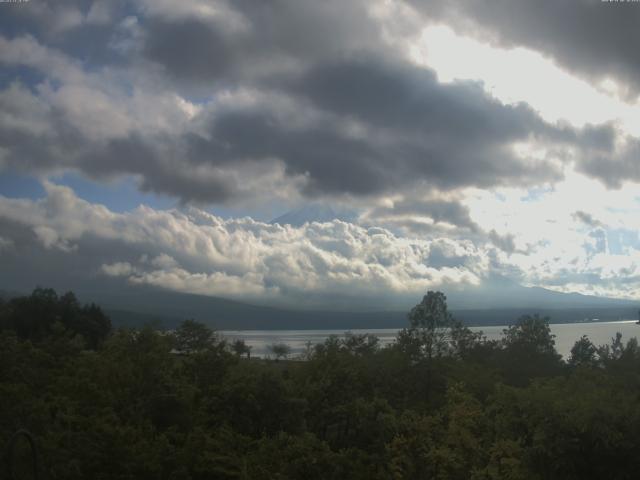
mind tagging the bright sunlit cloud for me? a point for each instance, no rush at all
(523, 75)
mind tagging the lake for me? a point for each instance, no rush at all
(599, 333)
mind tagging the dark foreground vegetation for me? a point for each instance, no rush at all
(440, 403)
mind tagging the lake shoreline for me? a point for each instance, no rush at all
(566, 334)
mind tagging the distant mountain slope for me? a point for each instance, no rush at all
(125, 318)
(170, 307)
(137, 306)
(503, 293)
(318, 320)
(6, 295)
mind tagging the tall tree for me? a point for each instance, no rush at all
(192, 337)
(430, 327)
(429, 335)
(240, 347)
(529, 350)
(280, 350)
(584, 353)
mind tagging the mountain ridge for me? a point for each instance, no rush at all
(165, 309)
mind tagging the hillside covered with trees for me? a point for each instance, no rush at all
(439, 403)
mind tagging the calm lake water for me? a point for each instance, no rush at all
(566, 334)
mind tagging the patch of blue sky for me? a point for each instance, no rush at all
(536, 193)
(122, 195)
(118, 195)
(26, 76)
(264, 212)
(632, 210)
(17, 185)
(620, 240)
(500, 196)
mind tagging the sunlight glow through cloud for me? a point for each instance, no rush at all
(522, 75)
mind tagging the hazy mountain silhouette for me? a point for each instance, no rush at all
(499, 292)
(500, 303)
(144, 304)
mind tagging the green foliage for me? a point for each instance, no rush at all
(280, 350)
(440, 403)
(35, 317)
(430, 323)
(240, 348)
(583, 353)
(529, 351)
(192, 337)
(530, 333)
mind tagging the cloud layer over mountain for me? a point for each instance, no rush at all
(244, 105)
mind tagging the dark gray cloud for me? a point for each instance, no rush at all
(614, 167)
(405, 213)
(505, 242)
(593, 38)
(333, 162)
(451, 135)
(587, 219)
(191, 49)
(82, 28)
(156, 162)
(378, 123)
(415, 129)
(250, 39)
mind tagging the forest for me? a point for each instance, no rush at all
(440, 402)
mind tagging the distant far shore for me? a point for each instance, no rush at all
(566, 334)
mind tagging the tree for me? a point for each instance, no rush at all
(528, 351)
(280, 350)
(464, 342)
(360, 345)
(614, 351)
(240, 348)
(428, 337)
(192, 336)
(34, 317)
(92, 324)
(583, 353)
(532, 333)
(429, 333)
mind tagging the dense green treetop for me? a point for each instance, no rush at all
(33, 317)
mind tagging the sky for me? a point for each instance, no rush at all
(472, 143)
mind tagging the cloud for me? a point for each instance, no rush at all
(414, 213)
(50, 238)
(593, 39)
(5, 243)
(194, 251)
(308, 100)
(217, 283)
(191, 250)
(504, 242)
(199, 43)
(245, 104)
(117, 269)
(587, 219)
